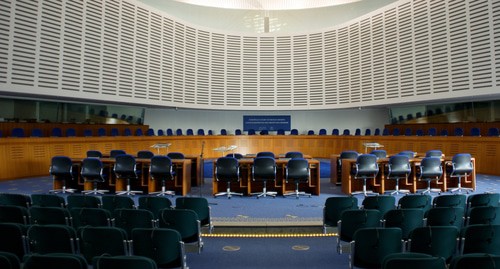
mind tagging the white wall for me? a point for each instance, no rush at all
(301, 120)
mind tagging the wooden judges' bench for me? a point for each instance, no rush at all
(181, 185)
(246, 185)
(342, 176)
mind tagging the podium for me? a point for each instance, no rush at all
(159, 146)
(372, 145)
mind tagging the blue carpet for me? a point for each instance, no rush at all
(290, 253)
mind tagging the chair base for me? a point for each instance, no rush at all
(229, 194)
(430, 190)
(63, 190)
(95, 191)
(128, 192)
(163, 193)
(365, 193)
(297, 194)
(460, 189)
(397, 192)
(265, 194)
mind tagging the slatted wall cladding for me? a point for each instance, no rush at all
(117, 50)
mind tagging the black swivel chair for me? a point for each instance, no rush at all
(94, 154)
(297, 170)
(115, 152)
(264, 169)
(92, 171)
(175, 155)
(430, 170)
(161, 169)
(145, 154)
(366, 167)
(265, 154)
(398, 168)
(461, 168)
(294, 154)
(227, 169)
(61, 169)
(348, 154)
(434, 153)
(125, 168)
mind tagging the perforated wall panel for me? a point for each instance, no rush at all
(123, 51)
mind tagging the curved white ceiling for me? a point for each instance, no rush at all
(267, 4)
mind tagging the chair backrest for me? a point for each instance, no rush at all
(481, 238)
(368, 131)
(403, 260)
(386, 131)
(475, 260)
(235, 155)
(349, 154)
(423, 202)
(382, 203)
(154, 204)
(127, 132)
(87, 132)
(251, 131)
(61, 166)
(129, 219)
(70, 132)
(280, 132)
(169, 132)
(462, 164)
(92, 169)
(406, 219)
(357, 131)
(125, 166)
(101, 132)
(47, 200)
(446, 216)
(13, 239)
(94, 153)
(264, 132)
(82, 200)
(139, 132)
(161, 168)
(36, 132)
(124, 262)
(398, 167)
(55, 260)
(223, 131)
(114, 132)
(14, 214)
(264, 168)
(178, 132)
(17, 199)
(432, 131)
(396, 132)
(438, 241)
(434, 153)
(265, 154)
(458, 131)
(483, 199)
(455, 200)
(297, 169)
(484, 215)
(185, 221)
(353, 219)
(380, 153)
(408, 153)
(346, 132)
(145, 154)
(237, 132)
(335, 131)
(175, 155)
(366, 166)
(493, 131)
(45, 239)
(115, 152)
(294, 154)
(227, 169)
(150, 132)
(17, 132)
(96, 217)
(310, 132)
(9, 260)
(322, 132)
(113, 202)
(444, 132)
(475, 131)
(294, 132)
(334, 206)
(200, 132)
(198, 205)
(49, 215)
(431, 167)
(99, 241)
(189, 131)
(162, 245)
(372, 245)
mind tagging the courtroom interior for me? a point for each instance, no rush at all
(249, 134)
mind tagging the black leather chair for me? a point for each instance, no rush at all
(61, 169)
(297, 170)
(398, 168)
(264, 170)
(430, 170)
(294, 154)
(145, 154)
(92, 171)
(461, 168)
(227, 169)
(161, 170)
(265, 154)
(94, 154)
(175, 155)
(348, 154)
(125, 169)
(366, 167)
(115, 152)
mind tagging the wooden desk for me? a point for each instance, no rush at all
(181, 185)
(381, 184)
(246, 185)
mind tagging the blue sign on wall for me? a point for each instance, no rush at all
(269, 123)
